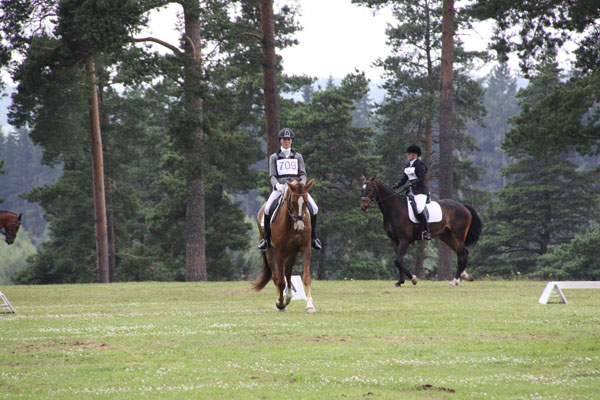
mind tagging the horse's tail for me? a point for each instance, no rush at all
(265, 276)
(475, 228)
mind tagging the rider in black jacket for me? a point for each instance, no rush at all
(414, 173)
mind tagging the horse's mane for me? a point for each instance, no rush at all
(387, 188)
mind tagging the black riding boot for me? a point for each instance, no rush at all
(424, 227)
(264, 244)
(316, 243)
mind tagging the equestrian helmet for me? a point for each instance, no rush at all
(414, 149)
(286, 133)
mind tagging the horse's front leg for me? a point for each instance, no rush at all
(395, 244)
(279, 280)
(399, 262)
(288, 280)
(306, 256)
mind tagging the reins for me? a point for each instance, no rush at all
(292, 215)
(370, 199)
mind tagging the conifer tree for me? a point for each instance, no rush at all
(547, 199)
(336, 154)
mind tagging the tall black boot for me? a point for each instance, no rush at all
(264, 244)
(316, 243)
(424, 227)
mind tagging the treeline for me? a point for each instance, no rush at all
(526, 159)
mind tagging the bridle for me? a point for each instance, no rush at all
(9, 231)
(370, 199)
(295, 217)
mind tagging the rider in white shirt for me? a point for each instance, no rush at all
(284, 165)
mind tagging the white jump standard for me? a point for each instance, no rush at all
(560, 285)
(6, 303)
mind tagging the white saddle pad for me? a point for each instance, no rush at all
(434, 209)
(279, 202)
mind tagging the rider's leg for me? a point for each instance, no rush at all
(420, 200)
(266, 241)
(313, 210)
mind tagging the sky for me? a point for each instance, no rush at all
(337, 37)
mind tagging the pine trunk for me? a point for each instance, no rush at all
(195, 260)
(446, 99)
(271, 93)
(98, 175)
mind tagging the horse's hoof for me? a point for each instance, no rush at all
(398, 284)
(282, 309)
(414, 280)
(453, 282)
(280, 306)
(311, 310)
(466, 276)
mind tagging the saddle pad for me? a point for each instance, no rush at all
(433, 208)
(277, 207)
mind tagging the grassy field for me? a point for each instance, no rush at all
(368, 340)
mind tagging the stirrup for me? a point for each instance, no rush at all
(425, 235)
(316, 244)
(263, 245)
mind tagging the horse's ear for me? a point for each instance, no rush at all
(290, 185)
(373, 177)
(309, 184)
(19, 217)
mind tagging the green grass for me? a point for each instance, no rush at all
(481, 340)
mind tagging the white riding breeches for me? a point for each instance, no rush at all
(420, 200)
(275, 194)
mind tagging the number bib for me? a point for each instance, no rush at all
(287, 166)
(410, 172)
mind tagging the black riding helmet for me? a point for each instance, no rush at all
(286, 133)
(414, 149)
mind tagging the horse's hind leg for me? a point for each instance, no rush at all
(461, 269)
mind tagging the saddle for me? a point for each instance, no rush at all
(277, 205)
(274, 208)
(432, 210)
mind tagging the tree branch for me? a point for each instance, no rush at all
(174, 49)
(254, 35)
(125, 255)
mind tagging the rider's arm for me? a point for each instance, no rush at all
(301, 169)
(420, 172)
(400, 182)
(273, 170)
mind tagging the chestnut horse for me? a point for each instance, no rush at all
(9, 225)
(460, 226)
(290, 235)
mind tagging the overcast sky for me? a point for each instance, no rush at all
(336, 37)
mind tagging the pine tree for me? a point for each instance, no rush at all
(547, 199)
(336, 154)
(501, 104)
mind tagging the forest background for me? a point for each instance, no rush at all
(524, 152)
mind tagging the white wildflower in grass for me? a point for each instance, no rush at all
(488, 340)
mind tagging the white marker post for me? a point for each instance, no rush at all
(297, 288)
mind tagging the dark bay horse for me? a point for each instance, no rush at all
(290, 235)
(460, 226)
(9, 225)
